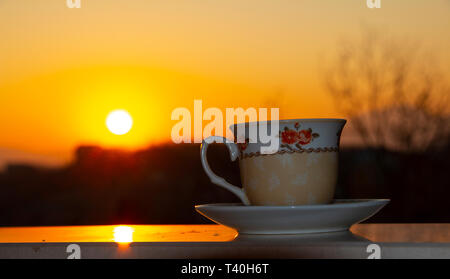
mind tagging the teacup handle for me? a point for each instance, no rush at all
(234, 152)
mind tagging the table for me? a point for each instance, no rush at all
(215, 241)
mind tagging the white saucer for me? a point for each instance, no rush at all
(337, 216)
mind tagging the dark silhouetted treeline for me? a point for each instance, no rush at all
(162, 184)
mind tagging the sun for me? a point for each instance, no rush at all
(119, 122)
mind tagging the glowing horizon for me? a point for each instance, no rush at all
(63, 70)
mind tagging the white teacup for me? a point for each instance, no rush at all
(301, 170)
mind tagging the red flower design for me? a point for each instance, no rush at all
(289, 136)
(297, 125)
(304, 137)
(243, 146)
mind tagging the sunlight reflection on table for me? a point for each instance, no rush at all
(126, 234)
(122, 234)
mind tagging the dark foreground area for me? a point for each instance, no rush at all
(161, 185)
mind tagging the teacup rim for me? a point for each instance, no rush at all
(283, 121)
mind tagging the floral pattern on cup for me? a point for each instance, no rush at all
(289, 136)
(297, 136)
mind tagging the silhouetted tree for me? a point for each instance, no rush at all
(395, 97)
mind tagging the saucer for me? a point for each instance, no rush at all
(304, 238)
(339, 215)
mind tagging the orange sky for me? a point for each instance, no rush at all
(62, 70)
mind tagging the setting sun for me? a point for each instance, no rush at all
(119, 122)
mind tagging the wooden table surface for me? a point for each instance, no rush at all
(215, 241)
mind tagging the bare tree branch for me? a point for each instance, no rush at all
(394, 96)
